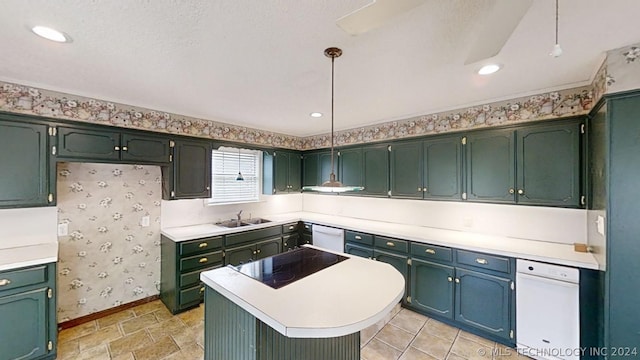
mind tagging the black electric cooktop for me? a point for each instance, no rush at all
(283, 269)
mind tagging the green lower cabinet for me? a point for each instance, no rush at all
(290, 241)
(28, 330)
(432, 287)
(358, 250)
(268, 248)
(484, 302)
(398, 261)
(243, 254)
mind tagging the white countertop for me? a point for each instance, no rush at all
(562, 254)
(17, 257)
(328, 303)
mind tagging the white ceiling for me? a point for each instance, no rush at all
(260, 63)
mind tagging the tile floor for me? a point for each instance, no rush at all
(149, 331)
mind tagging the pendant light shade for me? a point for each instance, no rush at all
(332, 185)
(239, 177)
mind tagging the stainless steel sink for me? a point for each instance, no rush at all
(246, 222)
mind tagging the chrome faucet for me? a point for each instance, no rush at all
(239, 215)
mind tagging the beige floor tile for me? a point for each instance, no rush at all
(130, 343)
(186, 338)
(158, 350)
(471, 350)
(409, 321)
(415, 354)
(478, 339)
(432, 345)
(453, 356)
(198, 331)
(441, 330)
(367, 334)
(193, 316)
(163, 314)
(377, 350)
(192, 353)
(115, 318)
(99, 337)
(395, 337)
(137, 323)
(166, 328)
(77, 331)
(148, 307)
(68, 349)
(99, 352)
(127, 356)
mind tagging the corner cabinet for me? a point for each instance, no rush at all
(28, 311)
(282, 172)
(24, 159)
(189, 175)
(252, 245)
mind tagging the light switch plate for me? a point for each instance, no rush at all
(144, 222)
(63, 229)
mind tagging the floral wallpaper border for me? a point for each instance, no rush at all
(618, 72)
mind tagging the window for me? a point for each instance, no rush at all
(226, 188)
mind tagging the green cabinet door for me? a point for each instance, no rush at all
(24, 326)
(268, 248)
(431, 287)
(23, 158)
(398, 261)
(290, 241)
(324, 160)
(351, 167)
(483, 302)
(548, 165)
(310, 170)
(295, 172)
(281, 171)
(406, 169)
(490, 166)
(375, 160)
(145, 148)
(192, 169)
(81, 143)
(358, 250)
(443, 168)
(240, 255)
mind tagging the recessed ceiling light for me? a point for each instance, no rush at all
(489, 69)
(316, 114)
(50, 34)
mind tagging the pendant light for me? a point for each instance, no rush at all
(557, 50)
(240, 177)
(332, 185)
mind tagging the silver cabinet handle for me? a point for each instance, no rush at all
(511, 191)
(358, 237)
(449, 279)
(389, 243)
(482, 261)
(124, 148)
(419, 189)
(116, 148)
(430, 251)
(520, 192)
(291, 227)
(457, 281)
(5, 282)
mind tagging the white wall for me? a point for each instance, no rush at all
(192, 212)
(527, 222)
(28, 226)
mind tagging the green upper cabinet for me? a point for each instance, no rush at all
(23, 158)
(406, 169)
(282, 172)
(490, 166)
(310, 169)
(375, 170)
(351, 167)
(442, 164)
(548, 165)
(82, 143)
(190, 176)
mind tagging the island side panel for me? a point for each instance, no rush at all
(233, 333)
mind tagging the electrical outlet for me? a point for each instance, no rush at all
(144, 222)
(63, 229)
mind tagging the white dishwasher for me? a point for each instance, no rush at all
(328, 238)
(547, 310)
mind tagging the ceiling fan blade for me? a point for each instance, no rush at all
(496, 28)
(375, 15)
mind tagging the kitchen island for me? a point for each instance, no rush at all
(251, 314)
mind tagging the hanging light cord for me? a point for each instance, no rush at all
(556, 21)
(332, 176)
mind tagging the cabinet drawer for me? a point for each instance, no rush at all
(290, 228)
(392, 244)
(200, 245)
(200, 261)
(307, 227)
(358, 237)
(22, 277)
(191, 295)
(432, 252)
(251, 235)
(193, 278)
(484, 261)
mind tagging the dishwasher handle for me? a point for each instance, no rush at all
(527, 277)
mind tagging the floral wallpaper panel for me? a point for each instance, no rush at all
(107, 258)
(623, 69)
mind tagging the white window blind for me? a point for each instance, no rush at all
(226, 162)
